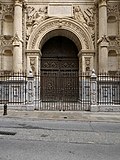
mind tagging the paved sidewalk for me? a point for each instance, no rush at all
(65, 115)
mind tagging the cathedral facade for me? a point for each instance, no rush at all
(92, 25)
(59, 36)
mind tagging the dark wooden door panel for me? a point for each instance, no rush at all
(59, 70)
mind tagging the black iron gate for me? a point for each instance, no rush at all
(59, 76)
(59, 86)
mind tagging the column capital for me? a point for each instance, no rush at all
(100, 2)
(19, 2)
(86, 52)
(33, 53)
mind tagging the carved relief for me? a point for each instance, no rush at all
(78, 15)
(89, 14)
(87, 64)
(114, 41)
(39, 16)
(33, 64)
(112, 8)
(34, 17)
(65, 24)
(113, 16)
(87, 18)
(16, 40)
(103, 39)
(8, 9)
(90, 18)
(6, 41)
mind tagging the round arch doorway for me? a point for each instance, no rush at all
(59, 70)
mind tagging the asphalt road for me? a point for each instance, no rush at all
(32, 139)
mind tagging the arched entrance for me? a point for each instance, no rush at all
(59, 85)
(59, 70)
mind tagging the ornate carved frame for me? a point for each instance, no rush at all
(80, 34)
(67, 27)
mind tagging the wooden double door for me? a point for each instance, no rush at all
(59, 71)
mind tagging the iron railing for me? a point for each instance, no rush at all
(13, 88)
(58, 91)
(108, 89)
(62, 91)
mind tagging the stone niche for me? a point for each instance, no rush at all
(112, 60)
(8, 25)
(8, 60)
(112, 25)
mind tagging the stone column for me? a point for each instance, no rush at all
(103, 42)
(17, 40)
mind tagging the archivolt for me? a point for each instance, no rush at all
(67, 27)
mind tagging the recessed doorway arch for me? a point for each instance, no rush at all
(81, 39)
